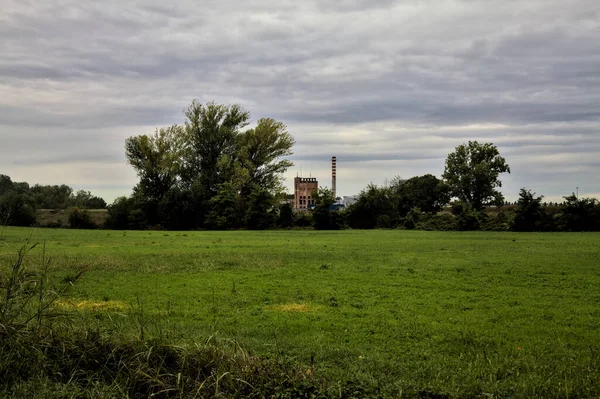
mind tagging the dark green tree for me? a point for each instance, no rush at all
(426, 192)
(468, 217)
(372, 203)
(212, 130)
(324, 216)
(6, 184)
(214, 158)
(261, 151)
(119, 213)
(286, 215)
(529, 212)
(85, 199)
(178, 209)
(259, 213)
(224, 208)
(472, 172)
(79, 218)
(16, 210)
(52, 197)
(158, 160)
(580, 214)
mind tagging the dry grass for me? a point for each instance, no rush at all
(294, 307)
(90, 305)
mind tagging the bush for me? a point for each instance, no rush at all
(259, 213)
(495, 222)
(303, 219)
(529, 212)
(412, 218)
(27, 319)
(441, 221)
(15, 210)
(580, 214)
(468, 217)
(136, 220)
(80, 219)
(121, 211)
(286, 216)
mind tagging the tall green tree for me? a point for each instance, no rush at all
(212, 131)
(158, 160)
(261, 151)
(472, 172)
(213, 160)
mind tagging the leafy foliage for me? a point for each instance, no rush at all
(157, 159)
(16, 210)
(210, 172)
(580, 214)
(286, 216)
(372, 203)
(426, 192)
(529, 212)
(472, 172)
(324, 216)
(80, 219)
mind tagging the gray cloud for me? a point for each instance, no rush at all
(389, 87)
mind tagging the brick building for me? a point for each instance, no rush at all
(304, 187)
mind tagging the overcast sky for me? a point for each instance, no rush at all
(390, 88)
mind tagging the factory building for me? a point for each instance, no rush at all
(304, 187)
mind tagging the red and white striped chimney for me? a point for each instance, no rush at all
(333, 170)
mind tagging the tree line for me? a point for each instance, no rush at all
(467, 198)
(19, 201)
(216, 172)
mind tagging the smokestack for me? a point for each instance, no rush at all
(333, 170)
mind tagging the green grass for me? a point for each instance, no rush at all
(461, 314)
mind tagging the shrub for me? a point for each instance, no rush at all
(303, 219)
(286, 216)
(384, 222)
(468, 217)
(529, 212)
(440, 221)
(412, 218)
(27, 318)
(136, 220)
(15, 210)
(495, 221)
(80, 219)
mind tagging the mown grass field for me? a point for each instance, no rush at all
(462, 314)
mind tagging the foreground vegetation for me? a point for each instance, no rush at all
(379, 313)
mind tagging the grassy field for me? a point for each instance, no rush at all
(452, 314)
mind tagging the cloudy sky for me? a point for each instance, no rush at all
(389, 87)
